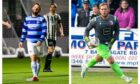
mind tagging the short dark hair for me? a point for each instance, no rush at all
(95, 5)
(54, 5)
(38, 5)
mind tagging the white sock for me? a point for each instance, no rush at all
(38, 67)
(34, 68)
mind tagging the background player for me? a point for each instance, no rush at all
(107, 30)
(53, 22)
(34, 30)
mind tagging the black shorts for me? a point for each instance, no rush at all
(51, 42)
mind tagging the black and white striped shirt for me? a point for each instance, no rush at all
(52, 24)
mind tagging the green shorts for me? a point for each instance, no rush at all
(103, 51)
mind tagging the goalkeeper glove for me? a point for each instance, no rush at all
(86, 39)
(111, 43)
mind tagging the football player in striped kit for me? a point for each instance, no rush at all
(53, 22)
(34, 31)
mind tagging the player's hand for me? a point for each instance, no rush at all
(110, 46)
(38, 43)
(111, 43)
(7, 24)
(91, 47)
(86, 39)
(62, 35)
(20, 45)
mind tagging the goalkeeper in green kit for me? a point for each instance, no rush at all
(107, 31)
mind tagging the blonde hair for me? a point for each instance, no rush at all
(54, 5)
(104, 4)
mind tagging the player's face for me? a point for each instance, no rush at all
(35, 9)
(95, 10)
(124, 4)
(52, 8)
(104, 11)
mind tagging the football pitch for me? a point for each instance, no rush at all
(102, 77)
(16, 71)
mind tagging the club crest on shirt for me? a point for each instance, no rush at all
(110, 22)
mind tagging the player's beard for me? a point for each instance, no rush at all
(105, 16)
(53, 11)
(35, 13)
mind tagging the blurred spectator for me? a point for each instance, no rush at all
(134, 4)
(73, 13)
(113, 4)
(91, 3)
(75, 2)
(95, 11)
(79, 4)
(101, 1)
(83, 15)
(125, 15)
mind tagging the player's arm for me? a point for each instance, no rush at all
(43, 35)
(116, 31)
(61, 29)
(23, 34)
(115, 34)
(90, 25)
(60, 26)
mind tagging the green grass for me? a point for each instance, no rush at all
(101, 78)
(16, 71)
